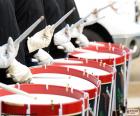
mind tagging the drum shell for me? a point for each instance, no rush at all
(106, 80)
(119, 64)
(70, 72)
(45, 109)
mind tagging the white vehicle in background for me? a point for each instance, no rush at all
(118, 26)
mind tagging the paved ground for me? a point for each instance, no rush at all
(135, 70)
(134, 84)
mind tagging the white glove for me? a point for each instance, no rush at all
(19, 72)
(74, 31)
(77, 32)
(63, 39)
(41, 39)
(43, 57)
(67, 47)
(8, 52)
(82, 41)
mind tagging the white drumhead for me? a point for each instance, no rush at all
(90, 70)
(41, 99)
(96, 55)
(67, 61)
(97, 44)
(62, 80)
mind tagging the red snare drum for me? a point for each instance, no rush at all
(51, 101)
(118, 46)
(112, 56)
(126, 67)
(103, 72)
(64, 76)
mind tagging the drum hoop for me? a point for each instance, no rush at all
(118, 46)
(88, 63)
(110, 61)
(119, 60)
(121, 47)
(64, 70)
(7, 106)
(104, 78)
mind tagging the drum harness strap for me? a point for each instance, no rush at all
(113, 91)
(0, 107)
(28, 110)
(61, 110)
(125, 79)
(97, 109)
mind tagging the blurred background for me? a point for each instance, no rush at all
(134, 84)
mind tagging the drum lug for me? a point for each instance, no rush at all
(61, 110)
(28, 110)
(83, 107)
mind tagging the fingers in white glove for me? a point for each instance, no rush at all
(92, 17)
(19, 72)
(82, 41)
(10, 46)
(63, 36)
(68, 47)
(43, 57)
(48, 31)
(41, 39)
(8, 53)
(74, 32)
(63, 40)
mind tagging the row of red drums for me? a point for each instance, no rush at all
(92, 81)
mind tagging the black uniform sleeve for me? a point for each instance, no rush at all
(27, 12)
(8, 27)
(74, 17)
(66, 6)
(8, 24)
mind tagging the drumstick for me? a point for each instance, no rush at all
(83, 19)
(105, 7)
(62, 19)
(28, 31)
(17, 91)
(62, 48)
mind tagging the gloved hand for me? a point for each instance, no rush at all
(19, 72)
(77, 32)
(8, 52)
(82, 41)
(41, 39)
(63, 39)
(67, 47)
(43, 57)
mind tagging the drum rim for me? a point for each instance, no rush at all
(119, 60)
(89, 63)
(24, 106)
(88, 77)
(119, 46)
